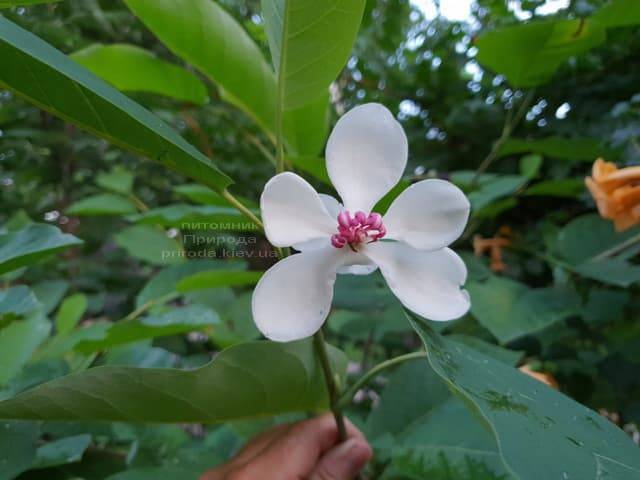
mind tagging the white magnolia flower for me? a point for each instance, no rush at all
(366, 156)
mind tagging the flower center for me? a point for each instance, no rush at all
(354, 230)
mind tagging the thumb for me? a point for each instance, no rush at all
(343, 462)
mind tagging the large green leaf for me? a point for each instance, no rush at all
(133, 69)
(529, 54)
(248, 380)
(310, 42)
(205, 35)
(32, 243)
(55, 83)
(540, 432)
(509, 309)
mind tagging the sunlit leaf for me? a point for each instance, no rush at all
(150, 245)
(529, 54)
(310, 43)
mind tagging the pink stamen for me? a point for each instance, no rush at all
(358, 229)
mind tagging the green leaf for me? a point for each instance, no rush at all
(245, 381)
(205, 35)
(165, 282)
(17, 302)
(172, 322)
(152, 473)
(313, 166)
(18, 441)
(150, 245)
(583, 242)
(53, 82)
(569, 149)
(133, 69)
(62, 451)
(117, 180)
(49, 293)
(589, 236)
(31, 244)
(310, 43)
(618, 13)
(530, 165)
(71, 312)
(200, 194)
(18, 341)
(217, 278)
(494, 187)
(104, 335)
(529, 54)
(510, 309)
(17, 3)
(208, 217)
(568, 187)
(102, 204)
(531, 421)
(434, 435)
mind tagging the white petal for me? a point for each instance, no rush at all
(293, 212)
(428, 283)
(333, 208)
(357, 264)
(293, 298)
(364, 269)
(429, 215)
(366, 155)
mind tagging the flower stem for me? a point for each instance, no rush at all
(332, 387)
(242, 208)
(348, 395)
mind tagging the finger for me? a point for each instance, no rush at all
(247, 453)
(344, 461)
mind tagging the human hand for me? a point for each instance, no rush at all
(309, 449)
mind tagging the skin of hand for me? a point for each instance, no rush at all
(305, 450)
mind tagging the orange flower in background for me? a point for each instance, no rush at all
(616, 192)
(494, 246)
